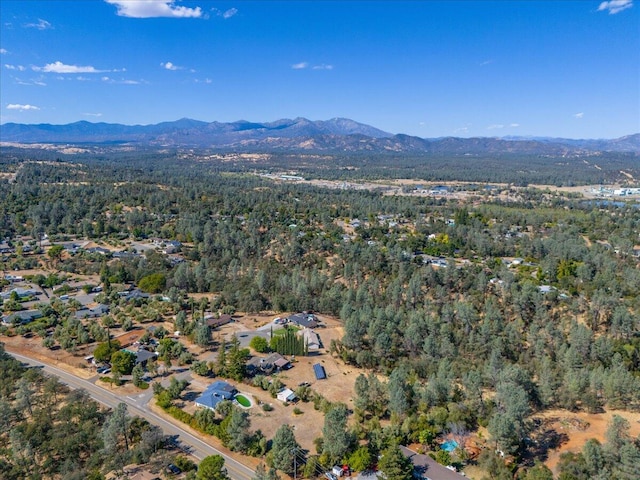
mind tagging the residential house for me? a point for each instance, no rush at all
(134, 294)
(24, 316)
(95, 312)
(215, 393)
(425, 467)
(6, 248)
(125, 254)
(214, 322)
(143, 356)
(305, 320)
(21, 292)
(13, 278)
(100, 250)
(171, 246)
(267, 365)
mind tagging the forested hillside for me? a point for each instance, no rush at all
(481, 312)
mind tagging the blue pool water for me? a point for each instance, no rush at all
(449, 445)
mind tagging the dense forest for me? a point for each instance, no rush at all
(49, 431)
(512, 168)
(533, 304)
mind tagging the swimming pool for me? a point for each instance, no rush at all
(449, 445)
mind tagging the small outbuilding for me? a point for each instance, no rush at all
(286, 395)
(319, 372)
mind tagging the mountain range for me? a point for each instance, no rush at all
(301, 134)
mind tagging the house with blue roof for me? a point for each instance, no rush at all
(215, 393)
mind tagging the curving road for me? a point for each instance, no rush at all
(137, 405)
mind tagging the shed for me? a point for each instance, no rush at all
(318, 370)
(286, 395)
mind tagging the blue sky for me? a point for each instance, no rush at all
(461, 68)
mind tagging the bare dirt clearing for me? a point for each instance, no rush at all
(576, 428)
(337, 387)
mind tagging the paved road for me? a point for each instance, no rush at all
(136, 405)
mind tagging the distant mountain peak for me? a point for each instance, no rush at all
(337, 134)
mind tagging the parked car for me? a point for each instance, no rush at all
(173, 469)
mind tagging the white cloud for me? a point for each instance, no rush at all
(578, 115)
(170, 66)
(206, 80)
(92, 114)
(229, 13)
(514, 125)
(486, 62)
(300, 66)
(41, 25)
(3, 51)
(20, 68)
(495, 126)
(59, 67)
(323, 67)
(22, 108)
(153, 9)
(615, 6)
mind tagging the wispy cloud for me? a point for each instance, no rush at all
(495, 126)
(20, 68)
(154, 9)
(304, 65)
(615, 6)
(486, 62)
(578, 115)
(206, 81)
(59, 67)
(122, 81)
(92, 114)
(514, 125)
(170, 66)
(229, 13)
(22, 108)
(38, 83)
(3, 51)
(41, 25)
